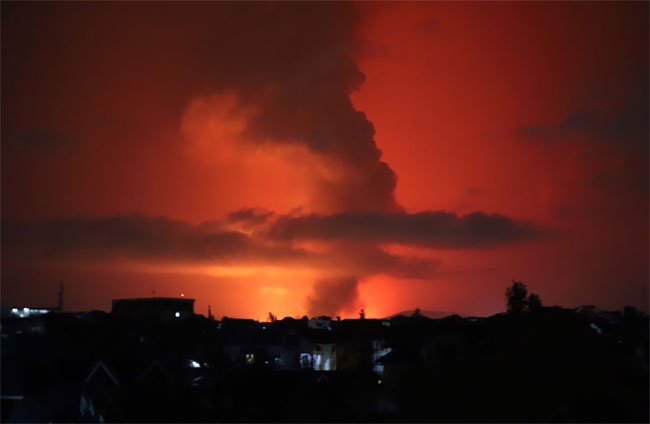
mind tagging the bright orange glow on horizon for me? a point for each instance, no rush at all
(154, 156)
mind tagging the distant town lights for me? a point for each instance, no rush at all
(27, 312)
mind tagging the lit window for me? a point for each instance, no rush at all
(317, 361)
(177, 314)
(596, 328)
(305, 361)
(250, 359)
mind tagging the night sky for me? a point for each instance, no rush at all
(320, 158)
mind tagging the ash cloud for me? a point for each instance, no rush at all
(138, 237)
(628, 128)
(332, 296)
(292, 63)
(162, 240)
(436, 229)
(364, 259)
(250, 217)
(625, 133)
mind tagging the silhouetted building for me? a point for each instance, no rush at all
(321, 323)
(163, 308)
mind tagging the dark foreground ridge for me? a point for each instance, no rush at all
(551, 364)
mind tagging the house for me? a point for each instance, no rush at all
(101, 399)
(359, 343)
(320, 323)
(279, 346)
(128, 389)
(445, 350)
(324, 357)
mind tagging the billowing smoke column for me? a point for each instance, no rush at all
(126, 70)
(333, 296)
(291, 64)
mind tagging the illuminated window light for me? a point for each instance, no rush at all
(194, 364)
(249, 359)
(596, 328)
(317, 361)
(305, 361)
(177, 314)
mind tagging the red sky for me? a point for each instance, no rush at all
(232, 153)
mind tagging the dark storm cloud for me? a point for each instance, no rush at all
(333, 295)
(428, 229)
(161, 240)
(121, 69)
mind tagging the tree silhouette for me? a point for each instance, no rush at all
(362, 314)
(534, 302)
(516, 297)
(416, 313)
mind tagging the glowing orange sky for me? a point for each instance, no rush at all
(450, 89)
